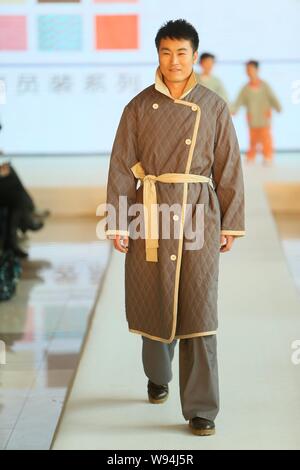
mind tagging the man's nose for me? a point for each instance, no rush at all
(174, 59)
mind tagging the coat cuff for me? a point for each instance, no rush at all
(112, 233)
(234, 233)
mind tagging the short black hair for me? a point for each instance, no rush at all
(178, 29)
(207, 55)
(253, 62)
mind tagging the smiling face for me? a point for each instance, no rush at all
(176, 59)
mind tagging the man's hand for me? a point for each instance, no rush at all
(121, 243)
(226, 242)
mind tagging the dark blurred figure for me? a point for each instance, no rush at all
(21, 213)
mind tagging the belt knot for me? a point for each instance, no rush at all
(150, 202)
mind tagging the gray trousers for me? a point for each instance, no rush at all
(198, 372)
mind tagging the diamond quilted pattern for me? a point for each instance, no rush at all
(157, 136)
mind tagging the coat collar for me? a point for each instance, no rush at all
(162, 87)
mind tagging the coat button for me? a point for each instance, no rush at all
(175, 217)
(155, 106)
(194, 108)
(173, 257)
(188, 141)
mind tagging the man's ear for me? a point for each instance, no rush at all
(195, 57)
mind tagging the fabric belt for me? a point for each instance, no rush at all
(150, 202)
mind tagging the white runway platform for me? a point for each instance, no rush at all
(259, 314)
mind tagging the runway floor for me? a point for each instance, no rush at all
(259, 314)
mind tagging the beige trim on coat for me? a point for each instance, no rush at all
(155, 338)
(196, 335)
(235, 233)
(185, 195)
(162, 87)
(168, 341)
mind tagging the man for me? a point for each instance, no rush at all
(177, 139)
(259, 99)
(206, 78)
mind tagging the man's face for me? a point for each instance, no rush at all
(252, 71)
(207, 65)
(176, 59)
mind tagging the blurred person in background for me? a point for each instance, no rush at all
(206, 78)
(259, 99)
(22, 214)
(20, 206)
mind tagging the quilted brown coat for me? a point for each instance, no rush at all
(176, 297)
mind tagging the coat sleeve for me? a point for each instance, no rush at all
(121, 183)
(228, 176)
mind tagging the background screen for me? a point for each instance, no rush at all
(67, 69)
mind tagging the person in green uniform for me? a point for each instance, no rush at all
(206, 78)
(259, 99)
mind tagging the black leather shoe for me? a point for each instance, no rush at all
(202, 426)
(157, 393)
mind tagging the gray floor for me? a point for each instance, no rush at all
(259, 312)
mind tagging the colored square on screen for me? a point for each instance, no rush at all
(13, 34)
(12, 2)
(59, 32)
(117, 32)
(58, 1)
(116, 1)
